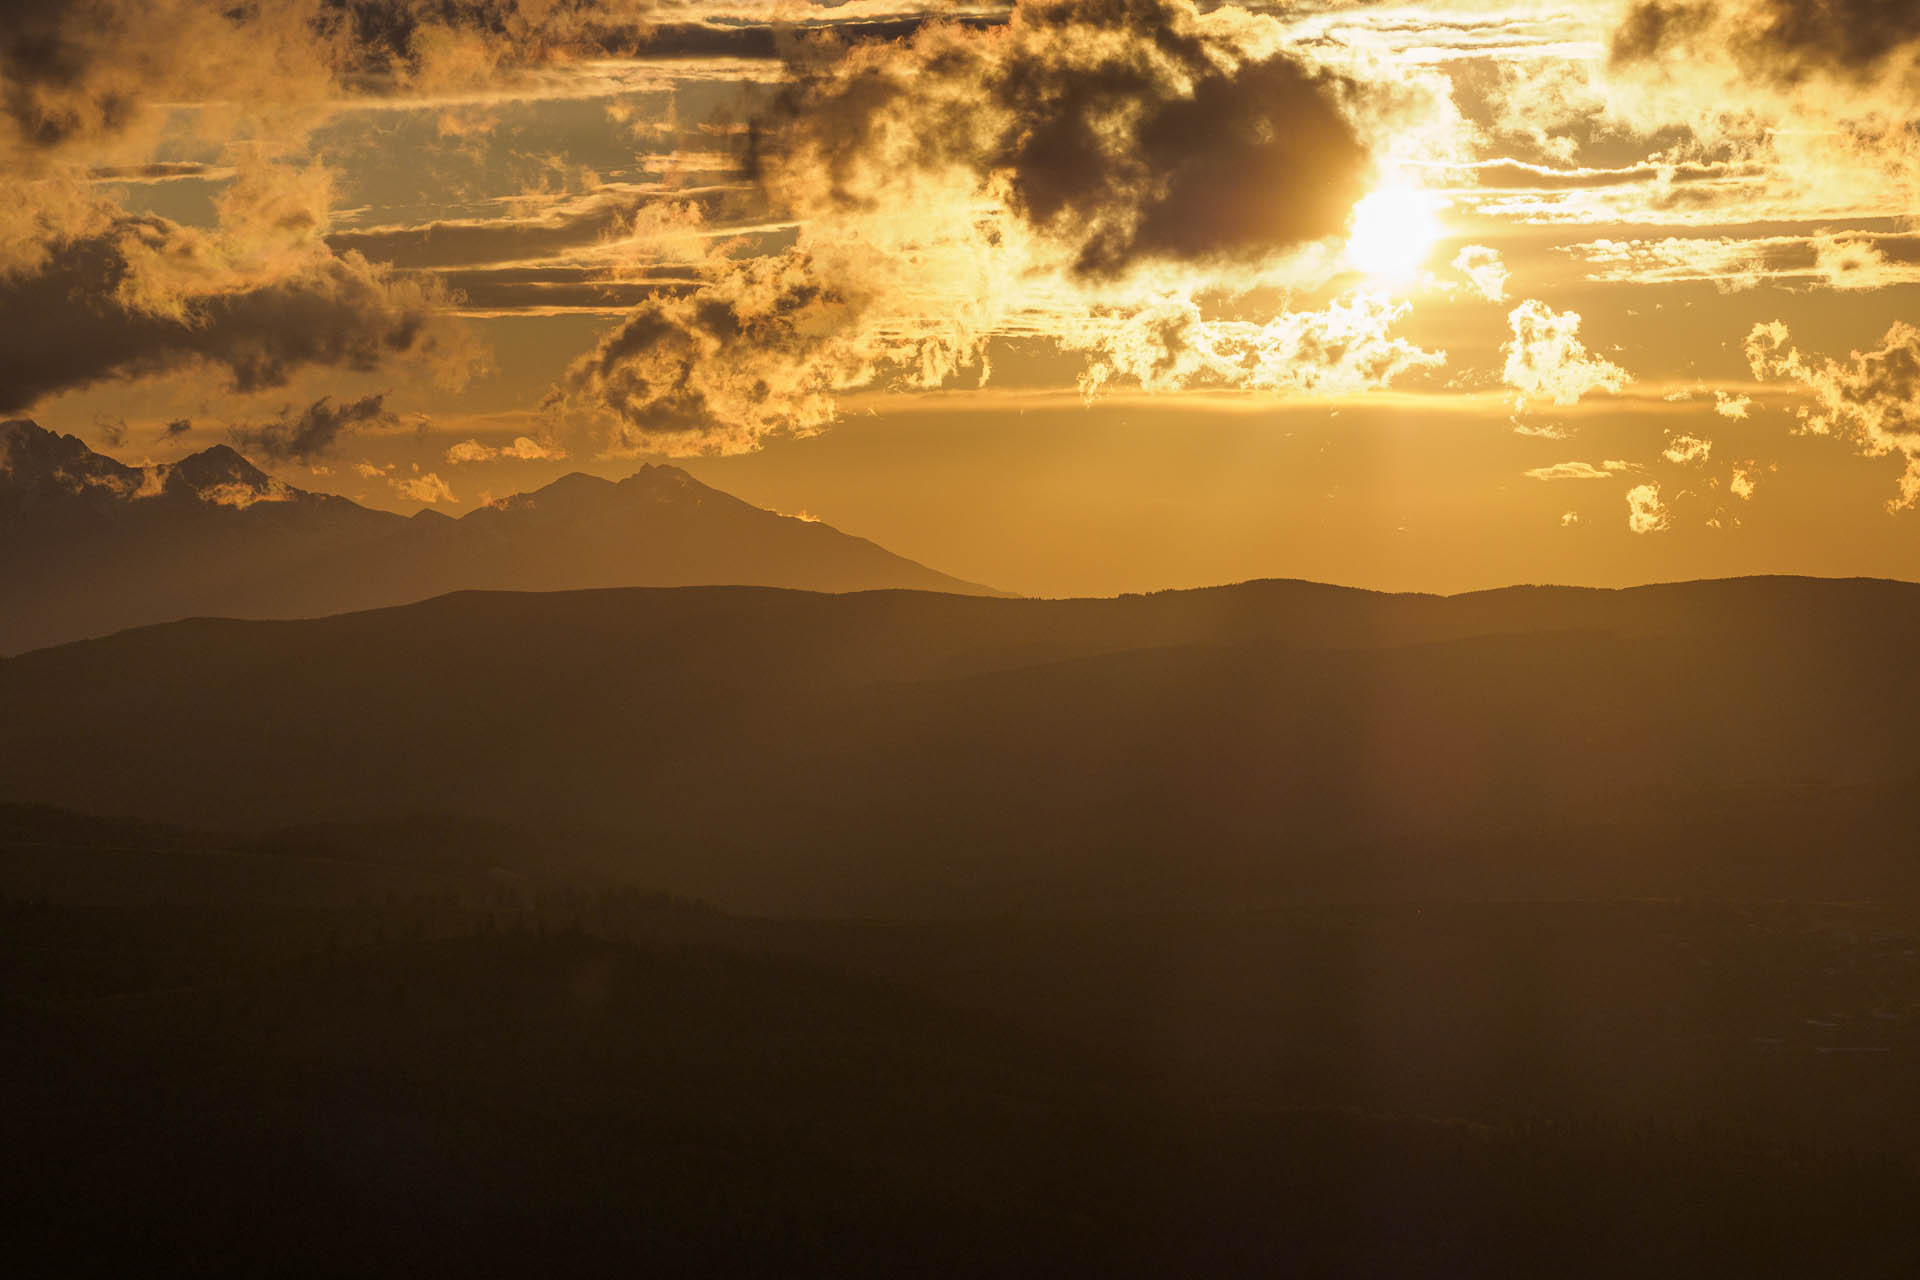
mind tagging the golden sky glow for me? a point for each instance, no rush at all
(1072, 295)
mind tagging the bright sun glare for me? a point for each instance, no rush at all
(1394, 229)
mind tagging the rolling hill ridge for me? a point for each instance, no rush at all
(905, 751)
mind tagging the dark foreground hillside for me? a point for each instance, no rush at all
(393, 1058)
(542, 1098)
(1270, 930)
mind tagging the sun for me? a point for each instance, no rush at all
(1394, 229)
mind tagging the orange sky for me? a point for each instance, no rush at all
(1076, 298)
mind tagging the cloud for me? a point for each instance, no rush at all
(1541, 430)
(1687, 448)
(1168, 344)
(1568, 519)
(82, 76)
(1742, 483)
(259, 295)
(161, 171)
(1547, 360)
(82, 320)
(1871, 399)
(565, 224)
(176, 428)
(314, 431)
(1522, 176)
(1860, 260)
(1485, 272)
(1645, 512)
(386, 35)
(423, 487)
(98, 93)
(1576, 471)
(757, 354)
(1731, 406)
(1105, 177)
(81, 73)
(1855, 262)
(240, 495)
(1782, 41)
(523, 448)
(1124, 131)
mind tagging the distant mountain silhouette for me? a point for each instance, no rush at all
(903, 751)
(89, 546)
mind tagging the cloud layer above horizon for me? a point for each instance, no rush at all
(523, 230)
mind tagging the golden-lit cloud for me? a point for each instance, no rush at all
(522, 449)
(1646, 513)
(1345, 349)
(1578, 471)
(1861, 260)
(1486, 274)
(1732, 406)
(1106, 178)
(1546, 359)
(1872, 398)
(1683, 448)
(423, 486)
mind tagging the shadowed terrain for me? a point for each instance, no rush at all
(1275, 927)
(899, 752)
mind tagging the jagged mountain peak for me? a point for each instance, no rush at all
(220, 464)
(32, 457)
(580, 491)
(221, 475)
(35, 459)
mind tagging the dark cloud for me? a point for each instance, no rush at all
(931, 177)
(1132, 130)
(81, 318)
(74, 72)
(77, 73)
(392, 35)
(720, 368)
(1785, 41)
(383, 35)
(158, 171)
(48, 52)
(178, 427)
(314, 431)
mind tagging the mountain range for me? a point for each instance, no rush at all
(89, 545)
